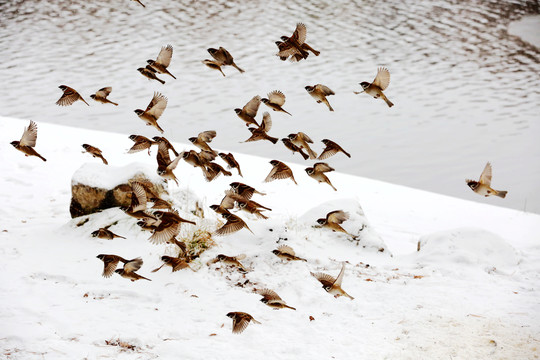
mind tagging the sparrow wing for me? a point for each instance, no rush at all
(163, 154)
(109, 265)
(252, 106)
(286, 49)
(266, 124)
(219, 55)
(337, 216)
(304, 137)
(233, 224)
(383, 78)
(227, 202)
(330, 150)
(139, 146)
(165, 56)
(485, 177)
(270, 295)
(240, 323)
(104, 92)
(133, 265)
(240, 257)
(322, 167)
(324, 89)
(228, 59)
(324, 279)
(29, 135)
(157, 105)
(300, 33)
(276, 97)
(206, 136)
(246, 191)
(174, 163)
(138, 197)
(68, 97)
(285, 249)
(339, 278)
(165, 232)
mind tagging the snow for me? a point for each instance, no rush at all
(103, 176)
(471, 292)
(527, 28)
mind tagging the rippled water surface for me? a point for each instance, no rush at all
(465, 91)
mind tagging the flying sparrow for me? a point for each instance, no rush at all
(275, 101)
(272, 299)
(331, 149)
(375, 89)
(101, 96)
(244, 190)
(289, 145)
(279, 171)
(212, 64)
(234, 223)
(240, 321)
(249, 206)
(175, 263)
(293, 45)
(223, 57)
(95, 152)
(213, 170)
(483, 185)
(285, 252)
(260, 133)
(230, 260)
(202, 140)
(104, 233)
(318, 173)
(230, 161)
(154, 110)
(163, 61)
(129, 269)
(167, 143)
(149, 73)
(69, 96)
(141, 143)
(249, 111)
(137, 207)
(28, 141)
(319, 93)
(165, 164)
(111, 261)
(301, 140)
(331, 285)
(334, 219)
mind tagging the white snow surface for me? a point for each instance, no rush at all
(527, 28)
(471, 292)
(103, 176)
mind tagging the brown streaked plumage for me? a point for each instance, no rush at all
(69, 96)
(275, 101)
(129, 269)
(175, 263)
(301, 140)
(101, 96)
(110, 262)
(380, 83)
(95, 152)
(292, 45)
(104, 233)
(231, 261)
(202, 140)
(289, 145)
(333, 285)
(28, 141)
(168, 228)
(212, 64)
(249, 111)
(331, 149)
(148, 225)
(231, 162)
(317, 172)
(223, 57)
(160, 204)
(167, 143)
(140, 143)
(137, 207)
(260, 133)
(166, 166)
(240, 321)
(333, 221)
(213, 170)
(149, 73)
(163, 61)
(319, 92)
(272, 299)
(483, 185)
(153, 111)
(279, 171)
(285, 252)
(196, 159)
(234, 223)
(226, 204)
(246, 205)
(244, 190)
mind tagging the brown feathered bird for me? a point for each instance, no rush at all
(318, 171)
(279, 171)
(260, 133)
(275, 101)
(104, 233)
(153, 111)
(246, 205)
(334, 219)
(233, 261)
(231, 162)
(149, 73)
(137, 207)
(167, 143)
(293, 45)
(175, 263)
(95, 152)
(234, 223)
(333, 285)
(212, 64)
(213, 170)
(380, 83)
(272, 299)
(244, 190)
(285, 252)
(202, 139)
(331, 149)
(140, 143)
(111, 261)
(223, 57)
(168, 227)
(69, 96)
(28, 141)
(163, 61)
(483, 185)
(319, 92)
(128, 271)
(249, 111)
(240, 321)
(166, 166)
(101, 96)
(302, 140)
(289, 145)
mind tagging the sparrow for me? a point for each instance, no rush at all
(174, 262)
(129, 269)
(213, 170)
(101, 96)
(318, 173)
(69, 96)
(293, 45)
(289, 145)
(240, 321)
(165, 164)
(212, 64)
(138, 1)
(301, 140)
(167, 143)
(104, 233)
(231, 162)
(223, 57)
(141, 143)
(150, 73)
(272, 299)
(95, 152)
(147, 224)
(160, 204)
(234, 223)
(298, 56)
(196, 159)
(483, 185)
(286, 49)
(202, 140)
(249, 206)
(154, 110)
(244, 190)
(379, 84)
(163, 61)
(331, 149)
(230, 260)
(331, 285)
(275, 101)
(285, 252)
(137, 207)
(28, 141)
(260, 133)
(334, 219)
(111, 261)
(226, 204)
(319, 93)
(249, 111)
(279, 171)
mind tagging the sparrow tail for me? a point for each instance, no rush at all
(285, 111)
(239, 172)
(304, 155)
(161, 81)
(388, 102)
(349, 296)
(273, 139)
(174, 77)
(84, 101)
(346, 153)
(222, 73)
(157, 269)
(118, 236)
(289, 307)
(42, 158)
(329, 106)
(141, 3)
(501, 194)
(159, 128)
(115, 104)
(312, 154)
(104, 161)
(329, 183)
(237, 68)
(292, 178)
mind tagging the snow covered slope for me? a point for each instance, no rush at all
(471, 291)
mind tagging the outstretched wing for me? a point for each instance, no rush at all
(324, 89)
(29, 135)
(485, 177)
(157, 105)
(339, 278)
(383, 78)
(138, 197)
(104, 92)
(322, 167)
(266, 124)
(276, 97)
(337, 216)
(252, 106)
(300, 33)
(165, 55)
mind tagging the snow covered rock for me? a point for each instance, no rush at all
(95, 187)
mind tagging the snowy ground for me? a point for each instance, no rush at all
(470, 293)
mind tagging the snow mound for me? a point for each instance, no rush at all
(467, 247)
(107, 176)
(527, 29)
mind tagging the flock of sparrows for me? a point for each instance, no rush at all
(164, 222)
